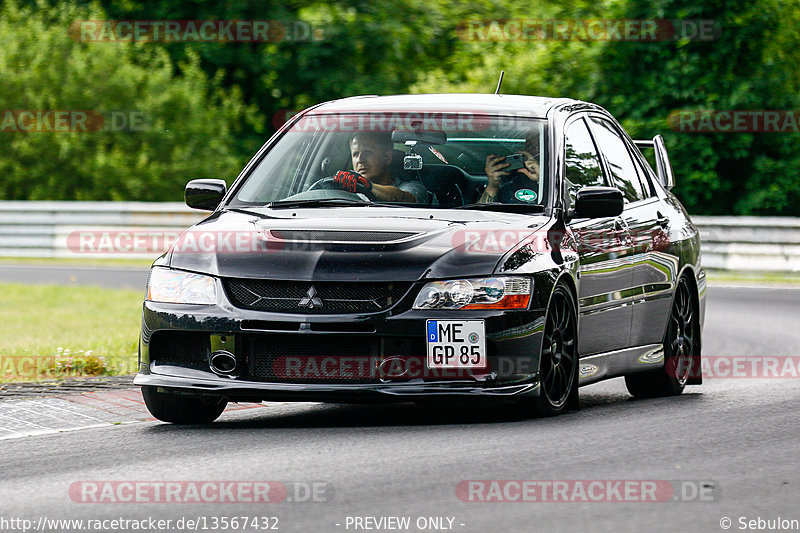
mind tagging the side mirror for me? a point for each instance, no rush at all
(204, 194)
(598, 202)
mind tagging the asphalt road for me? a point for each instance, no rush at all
(121, 277)
(739, 436)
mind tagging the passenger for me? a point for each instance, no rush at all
(371, 153)
(522, 185)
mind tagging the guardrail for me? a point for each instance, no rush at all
(43, 229)
(750, 243)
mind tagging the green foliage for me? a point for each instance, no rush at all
(81, 364)
(212, 104)
(560, 68)
(753, 65)
(189, 121)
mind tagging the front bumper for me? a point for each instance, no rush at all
(249, 391)
(167, 361)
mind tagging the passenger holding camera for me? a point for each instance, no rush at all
(514, 178)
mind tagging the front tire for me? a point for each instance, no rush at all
(180, 409)
(681, 342)
(558, 362)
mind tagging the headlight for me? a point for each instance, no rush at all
(173, 286)
(483, 293)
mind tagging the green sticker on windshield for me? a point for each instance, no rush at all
(525, 195)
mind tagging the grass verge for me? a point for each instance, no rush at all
(51, 331)
(778, 279)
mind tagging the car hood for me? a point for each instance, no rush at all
(352, 243)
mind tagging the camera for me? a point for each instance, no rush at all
(412, 162)
(515, 162)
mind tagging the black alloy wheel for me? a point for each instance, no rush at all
(558, 362)
(681, 342)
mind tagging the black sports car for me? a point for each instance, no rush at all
(429, 247)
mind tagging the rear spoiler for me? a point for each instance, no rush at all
(663, 166)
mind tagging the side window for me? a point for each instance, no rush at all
(646, 174)
(582, 164)
(623, 170)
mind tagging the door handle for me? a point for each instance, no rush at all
(622, 229)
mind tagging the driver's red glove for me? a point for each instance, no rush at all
(349, 180)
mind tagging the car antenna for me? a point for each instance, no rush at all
(499, 82)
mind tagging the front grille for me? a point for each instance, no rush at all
(180, 348)
(323, 359)
(325, 298)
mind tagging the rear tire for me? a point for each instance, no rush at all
(681, 342)
(180, 409)
(558, 361)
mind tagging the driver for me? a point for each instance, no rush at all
(519, 186)
(371, 153)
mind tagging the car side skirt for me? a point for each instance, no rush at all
(597, 367)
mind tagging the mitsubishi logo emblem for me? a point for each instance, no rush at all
(311, 300)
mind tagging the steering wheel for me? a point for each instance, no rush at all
(328, 183)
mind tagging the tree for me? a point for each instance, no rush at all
(152, 124)
(754, 64)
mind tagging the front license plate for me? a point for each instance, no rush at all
(456, 344)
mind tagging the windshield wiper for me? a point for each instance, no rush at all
(506, 208)
(314, 203)
(325, 202)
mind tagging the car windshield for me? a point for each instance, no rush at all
(404, 159)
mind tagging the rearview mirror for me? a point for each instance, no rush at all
(598, 202)
(204, 194)
(419, 136)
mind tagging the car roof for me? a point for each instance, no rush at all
(494, 104)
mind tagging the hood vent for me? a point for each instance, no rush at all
(340, 236)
